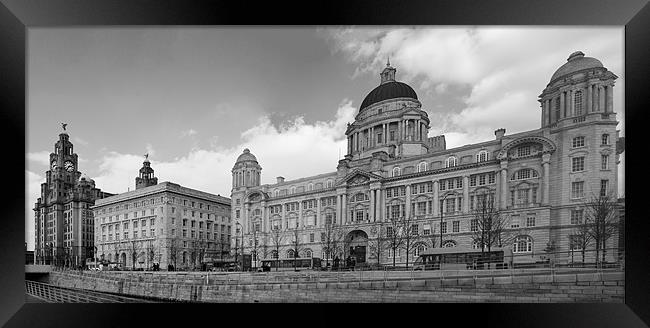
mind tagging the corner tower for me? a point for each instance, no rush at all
(247, 171)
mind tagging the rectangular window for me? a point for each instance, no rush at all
(530, 221)
(605, 139)
(577, 164)
(135, 234)
(578, 142)
(473, 225)
(576, 216)
(311, 237)
(603, 187)
(491, 178)
(455, 227)
(481, 179)
(184, 233)
(451, 205)
(523, 151)
(443, 185)
(443, 227)
(414, 229)
(577, 189)
(577, 103)
(389, 231)
(472, 181)
(604, 162)
(514, 223)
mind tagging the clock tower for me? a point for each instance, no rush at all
(63, 220)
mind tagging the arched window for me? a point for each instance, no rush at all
(274, 254)
(396, 171)
(524, 174)
(577, 102)
(419, 249)
(184, 257)
(482, 156)
(330, 184)
(293, 190)
(476, 244)
(604, 139)
(276, 192)
(307, 253)
(523, 244)
(422, 167)
(310, 187)
(451, 161)
(449, 244)
(290, 253)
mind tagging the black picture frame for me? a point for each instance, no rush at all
(16, 16)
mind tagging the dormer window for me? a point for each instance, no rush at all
(422, 167)
(482, 156)
(451, 161)
(330, 184)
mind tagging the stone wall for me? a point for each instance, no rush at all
(574, 287)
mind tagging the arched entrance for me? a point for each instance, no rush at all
(357, 244)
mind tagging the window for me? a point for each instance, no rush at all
(523, 244)
(389, 231)
(577, 102)
(603, 187)
(523, 151)
(515, 222)
(422, 167)
(396, 171)
(443, 227)
(330, 184)
(557, 109)
(575, 242)
(449, 244)
(455, 227)
(482, 156)
(604, 162)
(379, 138)
(577, 164)
(578, 142)
(451, 161)
(604, 139)
(577, 189)
(237, 214)
(473, 225)
(530, 221)
(427, 230)
(472, 181)
(576, 216)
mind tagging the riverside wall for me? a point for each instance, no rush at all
(599, 287)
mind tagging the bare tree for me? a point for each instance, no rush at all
(151, 252)
(277, 238)
(411, 236)
(330, 240)
(173, 249)
(296, 244)
(132, 247)
(580, 238)
(488, 226)
(394, 235)
(377, 245)
(601, 215)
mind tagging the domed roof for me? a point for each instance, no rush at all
(388, 90)
(246, 156)
(576, 62)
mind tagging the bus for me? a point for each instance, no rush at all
(288, 264)
(459, 258)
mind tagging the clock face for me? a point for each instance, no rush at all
(69, 166)
(53, 165)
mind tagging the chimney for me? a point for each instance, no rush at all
(499, 133)
(280, 179)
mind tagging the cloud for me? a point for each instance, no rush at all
(80, 141)
(39, 158)
(33, 185)
(293, 149)
(505, 68)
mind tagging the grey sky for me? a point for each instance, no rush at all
(195, 97)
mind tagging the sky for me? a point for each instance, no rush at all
(194, 98)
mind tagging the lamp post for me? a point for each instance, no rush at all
(441, 210)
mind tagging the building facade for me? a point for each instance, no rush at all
(164, 223)
(64, 223)
(539, 180)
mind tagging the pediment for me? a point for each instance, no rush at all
(358, 177)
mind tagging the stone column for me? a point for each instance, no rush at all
(408, 201)
(546, 158)
(378, 204)
(339, 203)
(601, 98)
(371, 209)
(571, 103)
(543, 113)
(504, 184)
(344, 208)
(610, 99)
(319, 221)
(385, 134)
(284, 217)
(265, 219)
(435, 198)
(562, 105)
(589, 99)
(465, 194)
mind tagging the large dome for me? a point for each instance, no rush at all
(388, 90)
(246, 156)
(576, 62)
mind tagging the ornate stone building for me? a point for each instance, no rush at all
(64, 224)
(162, 223)
(538, 180)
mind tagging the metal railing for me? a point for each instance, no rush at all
(56, 294)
